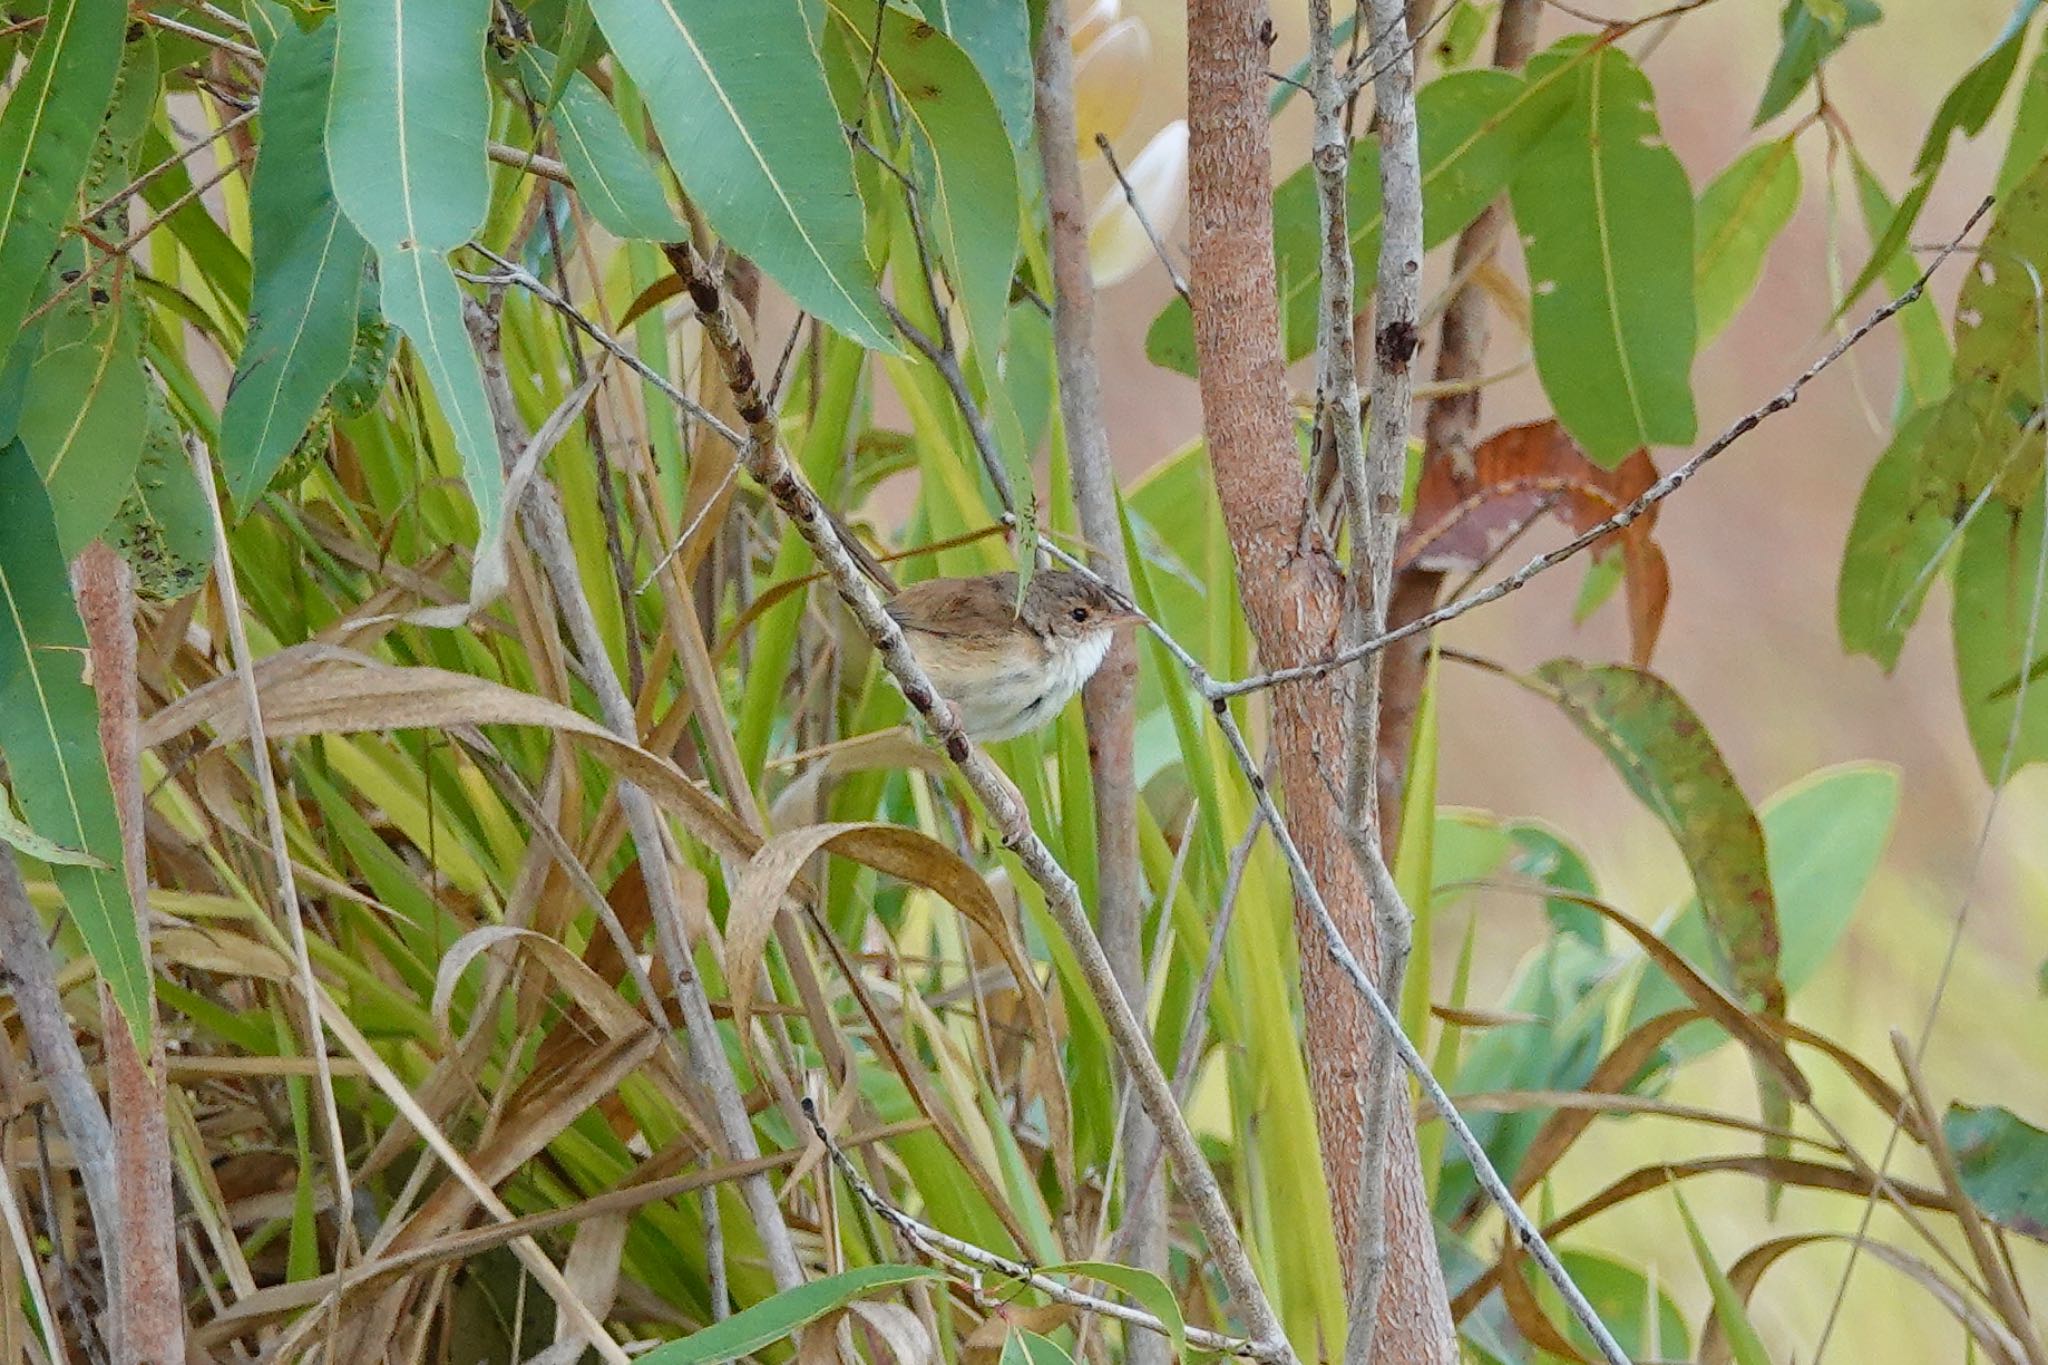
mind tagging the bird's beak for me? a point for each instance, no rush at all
(1121, 617)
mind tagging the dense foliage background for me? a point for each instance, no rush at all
(315, 312)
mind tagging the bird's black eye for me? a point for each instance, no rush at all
(1079, 613)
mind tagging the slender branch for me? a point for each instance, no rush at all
(1109, 700)
(963, 1255)
(547, 534)
(1372, 469)
(770, 467)
(1649, 498)
(1173, 275)
(947, 362)
(30, 975)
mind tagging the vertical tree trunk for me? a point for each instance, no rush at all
(149, 1318)
(1293, 593)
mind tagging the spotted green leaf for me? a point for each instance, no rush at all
(997, 35)
(82, 420)
(47, 131)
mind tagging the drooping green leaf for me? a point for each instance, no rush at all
(164, 528)
(971, 186)
(1023, 1347)
(1740, 214)
(309, 262)
(1823, 836)
(1744, 1344)
(2029, 141)
(778, 1315)
(1543, 855)
(739, 98)
(2003, 1163)
(1812, 31)
(1605, 211)
(2000, 626)
(47, 132)
(1670, 762)
(1968, 105)
(406, 130)
(616, 177)
(1475, 125)
(15, 831)
(50, 737)
(997, 35)
(82, 422)
(1151, 1293)
(1894, 550)
(1891, 242)
(1922, 335)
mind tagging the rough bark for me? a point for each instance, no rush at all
(1293, 592)
(149, 1319)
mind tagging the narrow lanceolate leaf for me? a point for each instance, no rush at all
(1664, 753)
(49, 735)
(47, 131)
(739, 98)
(2000, 623)
(619, 182)
(1974, 453)
(1740, 214)
(1606, 214)
(16, 832)
(1922, 334)
(1968, 105)
(2029, 140)
(82, 421)
(309, 272)
(165, 527)
(1813, 30)
(406, 130)
(971, 184)
(997, 35)
(1475, 125)
(777, 1316)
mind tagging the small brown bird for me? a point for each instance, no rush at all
(1008, 671)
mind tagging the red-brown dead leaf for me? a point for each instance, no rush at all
(1530, 471)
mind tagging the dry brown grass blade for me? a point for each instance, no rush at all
(277, 1301)
(1882, 1093)
(1811, 1175)
(1528, 1316)
(1580, 1101)
(911, 856)
(1716, 1004)
(1749, 1270)
(1615, 1071)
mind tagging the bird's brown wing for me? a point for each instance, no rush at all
(955, 606)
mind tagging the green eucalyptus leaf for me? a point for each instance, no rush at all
(616, 177)
(1607, 220)
(47, 133)
(407, 126)
(780, 1314)
(1922, 335)
(1812, 32)
(1969, 103)
(1897, 539)
(15, 831)
(164, 528)
(50, 736)
(997, 35)
(1739, 215)
(2002, 1161)
(1661, 749)
(738, 96)
(82, 421)
(2029, 140)
(309, 262)
(2000, 628)
(1022, 1347)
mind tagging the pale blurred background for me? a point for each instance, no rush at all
(1750, 641)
